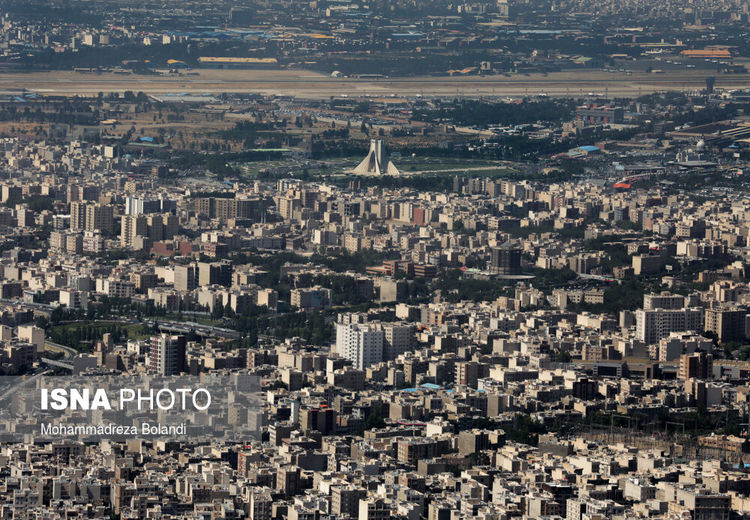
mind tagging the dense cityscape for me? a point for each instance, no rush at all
(360, 261)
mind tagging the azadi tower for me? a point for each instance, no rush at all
(376, 162)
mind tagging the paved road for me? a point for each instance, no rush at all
(310, 85)
(67, 352)
(33, 306)
(22, 382)
(187, 326)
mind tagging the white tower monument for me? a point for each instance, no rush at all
(376, 162)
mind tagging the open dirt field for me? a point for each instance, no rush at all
(305, 84)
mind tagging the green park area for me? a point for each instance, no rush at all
(82, 335)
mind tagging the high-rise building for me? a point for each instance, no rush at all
(287, 206)
(227, 208)
(155, 225)
(322, 420)
(210, 273)
(141, 206)
(698, 365)
(597, 115)
(167, 355)
(86, 216)
(74, 243)
(33, 335)
(204, 206)
(397, 339)
(237, 208)
(77, 216)
(132, 226)
(358, 341)
(185, 277)
(170, 225)
(374, 509)
(11, 193)
(505, 260)
(664, 300)
(99, 217)
(393, 290)
(345, 500)
(647, 264)
(288, 479)
(727, 322)
(66, 241)
(704, 504)
(261, 505)
(93, 242)
(473, 441)
(439, 510)
(467, 373)
(25, 217)
(311, 298)
(653, 325)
